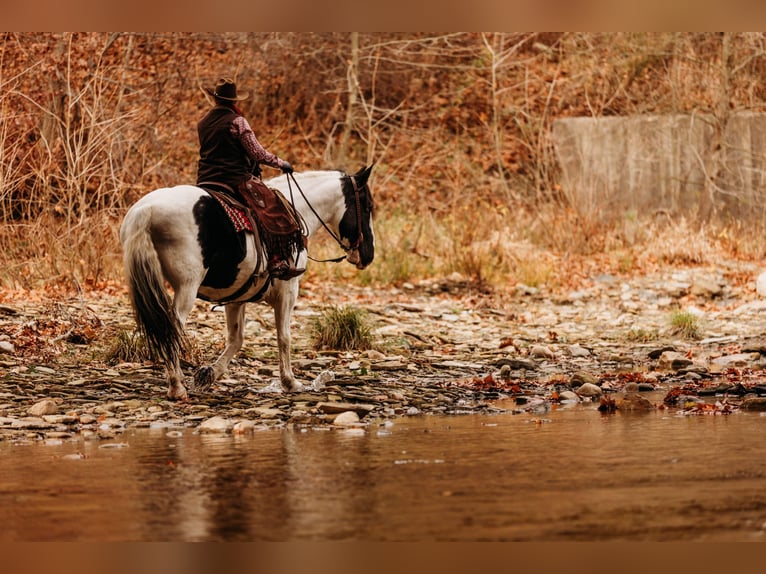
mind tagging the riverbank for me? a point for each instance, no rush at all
(443, 347)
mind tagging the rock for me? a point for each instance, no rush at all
(672, 361)
(243, 427)
(581, 378)
(754, 404)
(7, 347)
(31, 423)
(518, 364)
(655, 354)
(60, 419)
(333, 407)
(267, 413)
(44, 407)
(589, 390)
(760, 284)
(736, 360)
(215, 424)
(578, 351)
(541, 351)
(635, 402)
(346, 418)
(706, 287)
(568, 397)
(45, 370)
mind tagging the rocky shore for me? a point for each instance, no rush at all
(443, 348)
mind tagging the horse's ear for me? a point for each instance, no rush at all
(363, 174)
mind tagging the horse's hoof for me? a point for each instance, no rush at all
(203, 378)
(178, 393)
(294, 387)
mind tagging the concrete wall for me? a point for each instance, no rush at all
(644, 164)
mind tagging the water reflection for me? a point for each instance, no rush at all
(570, 474)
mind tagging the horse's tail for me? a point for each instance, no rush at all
(153, 308)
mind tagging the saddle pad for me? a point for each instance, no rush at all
(237, 216)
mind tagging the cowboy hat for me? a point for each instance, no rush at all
(225, 90)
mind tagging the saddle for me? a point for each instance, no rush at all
(239, 214)
(267, 214)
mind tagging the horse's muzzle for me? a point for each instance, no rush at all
(354, 258)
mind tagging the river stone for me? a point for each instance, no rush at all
(577, 350)
(215, 424)
(332, 407)
(347, 418)
(589, 390)
(581, 378)
(706, 287)
(44, 407)
(568, 396)
(541, 351)
(7, 347)
(754, 404)
(60, 419)
(267, 413)
(518, 364)
(672, 361)
(635, 402)
(736, 360)
(31, 423)
(243, 427)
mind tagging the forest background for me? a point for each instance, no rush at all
(458, 126)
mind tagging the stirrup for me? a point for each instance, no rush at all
(283, 270)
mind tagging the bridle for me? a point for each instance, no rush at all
(355, 244)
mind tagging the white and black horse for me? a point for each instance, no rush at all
(183, 235)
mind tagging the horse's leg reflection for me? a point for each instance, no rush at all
(235, 322)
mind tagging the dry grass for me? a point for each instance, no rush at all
(464, 183)
(342, 329)
(685, 324)
(503, 252)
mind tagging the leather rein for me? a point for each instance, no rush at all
(338, 240)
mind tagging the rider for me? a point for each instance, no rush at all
(230, 157)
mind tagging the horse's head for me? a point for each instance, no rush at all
(356, 225)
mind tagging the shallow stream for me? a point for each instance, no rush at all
(571, 473)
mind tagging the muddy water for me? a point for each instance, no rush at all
(567, 474)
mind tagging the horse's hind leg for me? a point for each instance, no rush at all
(183, 302)
(235, 326)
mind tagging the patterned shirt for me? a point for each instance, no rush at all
(241, 130)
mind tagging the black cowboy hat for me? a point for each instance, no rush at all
(225, 90)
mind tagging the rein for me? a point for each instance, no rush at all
(337, 239)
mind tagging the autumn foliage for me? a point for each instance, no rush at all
(458, 126)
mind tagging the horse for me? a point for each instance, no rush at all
(182, 236)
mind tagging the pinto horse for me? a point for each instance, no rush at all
(183, 236)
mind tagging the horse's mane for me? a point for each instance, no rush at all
(320, 173)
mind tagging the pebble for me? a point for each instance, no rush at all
(453, 364)
(589, 390)
(215, 424)
(44, 407)
(346, 418)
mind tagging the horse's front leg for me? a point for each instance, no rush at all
(283, 305)
(235, 327)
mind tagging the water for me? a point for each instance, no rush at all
(569, 474)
